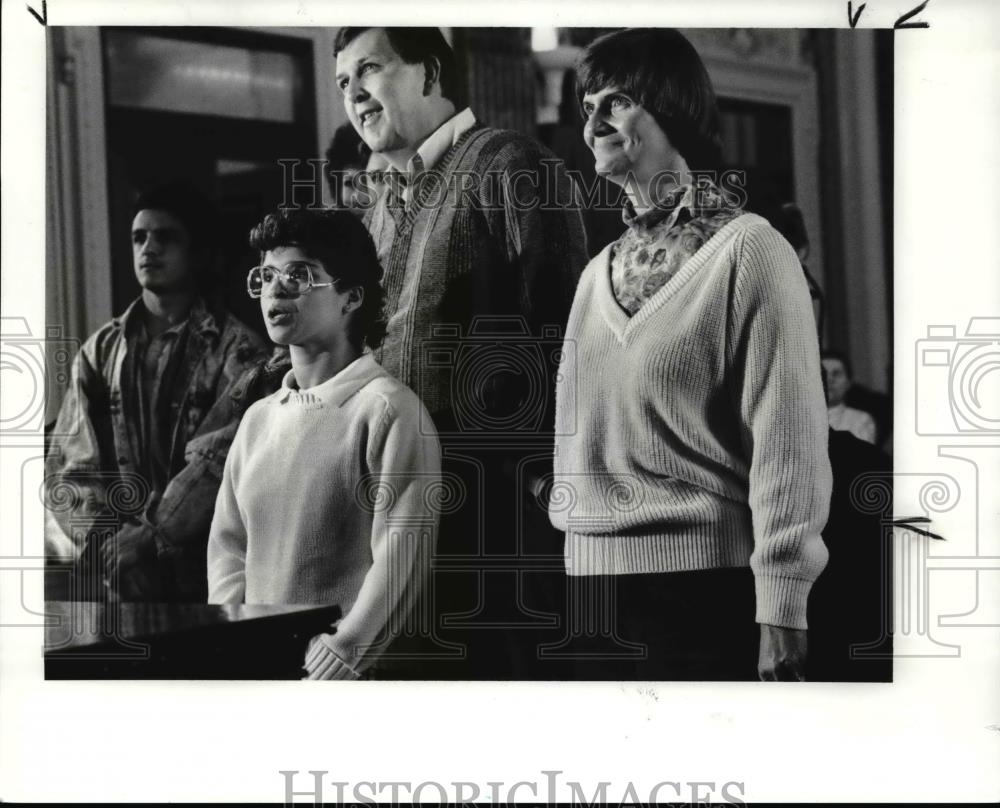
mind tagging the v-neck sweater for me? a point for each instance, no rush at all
(692, 435)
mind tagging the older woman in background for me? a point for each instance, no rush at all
(693, 385)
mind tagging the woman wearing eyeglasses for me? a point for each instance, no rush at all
(327, 491)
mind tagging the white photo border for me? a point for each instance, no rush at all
(933, 734)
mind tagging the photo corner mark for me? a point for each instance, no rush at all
(903, 21)
(42, 18)
(853, 18)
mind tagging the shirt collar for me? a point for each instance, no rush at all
(335, 391)
(202, 321)
(199, 319)
(430, 152)
(668, 208)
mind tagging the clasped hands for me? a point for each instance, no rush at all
(128, 561)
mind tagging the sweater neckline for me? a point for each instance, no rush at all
(618, 319)
(410, 210)
(336, 390)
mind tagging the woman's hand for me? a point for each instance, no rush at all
(322, 662)
(782, 654)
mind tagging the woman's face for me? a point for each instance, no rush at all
(624, 138)
(314, 319)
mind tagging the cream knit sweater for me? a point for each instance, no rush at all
(693, 435)
(328, 497)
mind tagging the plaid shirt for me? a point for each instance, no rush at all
(94, 469)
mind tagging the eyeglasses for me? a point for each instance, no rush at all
(296, 278)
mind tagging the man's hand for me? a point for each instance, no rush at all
(129, 563)
(782, 654)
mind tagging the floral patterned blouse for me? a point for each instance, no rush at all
(661, 240)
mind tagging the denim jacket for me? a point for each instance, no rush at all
(93, 484)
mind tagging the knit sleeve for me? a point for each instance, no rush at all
(404, 459)
(227, 538)
(774, 354)
(533, 211)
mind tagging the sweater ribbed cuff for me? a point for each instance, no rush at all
(782, 601)
(323, 662)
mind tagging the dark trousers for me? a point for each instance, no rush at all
(495, 591)
(693, 626)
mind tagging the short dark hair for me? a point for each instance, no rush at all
(346, 151)
(341, 242)
(189, 206)
(661, 70)
(840, 356)
(415, 45)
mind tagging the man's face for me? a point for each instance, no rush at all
(383, 95)
(837, 381)
(314, 318)
(162, 254)
(624, 137)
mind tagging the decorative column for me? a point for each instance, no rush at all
(500, 75)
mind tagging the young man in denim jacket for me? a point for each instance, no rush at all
(154, 400)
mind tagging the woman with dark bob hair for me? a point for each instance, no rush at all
(328, 491)
(691, 470)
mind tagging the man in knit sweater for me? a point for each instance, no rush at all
(481, 238)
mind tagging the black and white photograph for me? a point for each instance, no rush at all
(558, 376)
(414, 376)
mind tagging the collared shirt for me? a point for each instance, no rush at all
(430, 152)
(659, 241)
(157, 397)
(335, 390)
(848, 419)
